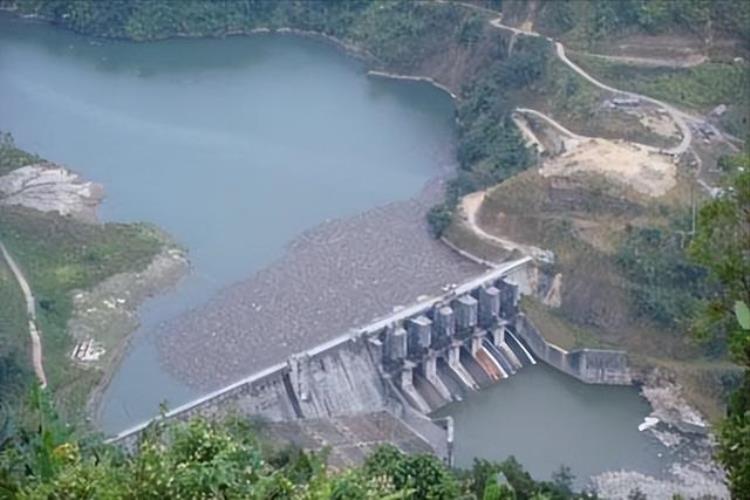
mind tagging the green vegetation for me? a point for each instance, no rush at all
(396, 33)
(666, 287)
(223, 460)
(15, 371)
(700, 87)
(557, 329)
(58, 255)
(593, 21)
(490, 146)
(198, 459)
(722, 245)
(11, 157)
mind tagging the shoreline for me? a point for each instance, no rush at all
(104, 317)
(165, 272)
(350, 49)
(691, 469)
(411, 78)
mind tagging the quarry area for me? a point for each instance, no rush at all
(645, 171)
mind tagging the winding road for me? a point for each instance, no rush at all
(470, 205)
(577, 138)
(36, 341)
(680, 118)
(560, 127)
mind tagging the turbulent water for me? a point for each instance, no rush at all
(290, 175)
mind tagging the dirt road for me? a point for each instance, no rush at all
(679, 117)
(36, 341)
(470, 206)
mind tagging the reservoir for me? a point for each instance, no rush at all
(238, 147)
(232, 146)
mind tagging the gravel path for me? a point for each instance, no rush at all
(36, 341)
(337, 276)
(470, 205)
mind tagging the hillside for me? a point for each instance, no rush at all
(65, 257)
(718, 26)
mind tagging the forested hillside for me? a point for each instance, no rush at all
(232, 460)
(592, 21)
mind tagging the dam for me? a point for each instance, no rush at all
(414, 360)
(403, 367)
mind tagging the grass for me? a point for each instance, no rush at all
(59, 255)
(15, 360)
(11, 157)
(577, 104)
(699, 87)
(557, 329)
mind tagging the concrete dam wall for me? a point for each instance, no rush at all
(593, 366)
(405, 365)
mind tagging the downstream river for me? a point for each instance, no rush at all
(298, 184)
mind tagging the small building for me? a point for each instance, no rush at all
(626, 102)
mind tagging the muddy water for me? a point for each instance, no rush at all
(237, 147)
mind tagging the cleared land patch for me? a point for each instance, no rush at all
(649, 173)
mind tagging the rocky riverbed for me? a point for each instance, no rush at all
(693, 472)
(337, 276)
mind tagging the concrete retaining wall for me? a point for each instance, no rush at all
(593, 366)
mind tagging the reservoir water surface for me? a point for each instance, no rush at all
(235, 147)
(232, 146)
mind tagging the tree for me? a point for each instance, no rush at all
(722, 244)
(228, 459)
(439, 218)
(423, 475)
